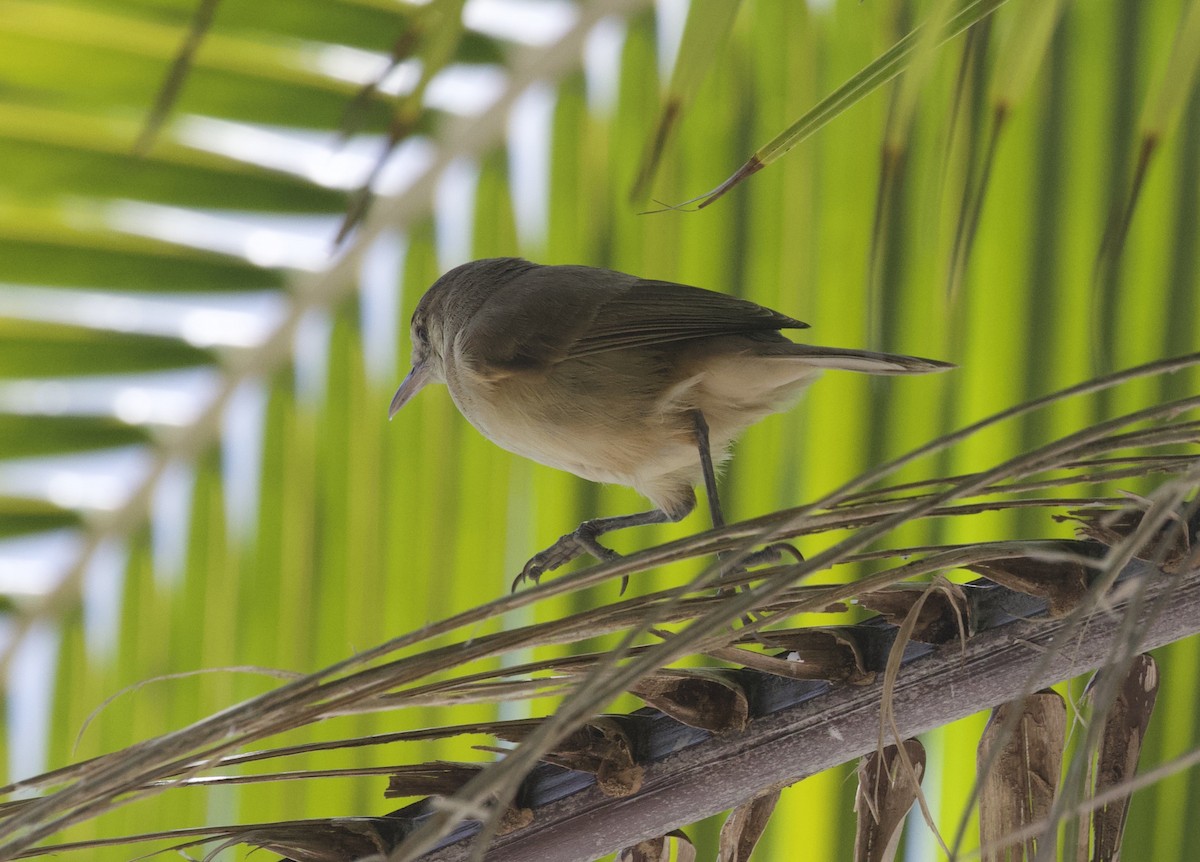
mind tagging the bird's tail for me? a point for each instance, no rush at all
(865, 361)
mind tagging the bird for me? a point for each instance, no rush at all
(614, 378)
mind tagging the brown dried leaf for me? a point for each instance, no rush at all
(1018, 790)
(707, 699)
(440, 778)
(514, 818)
(602, 748)
(744, 826)
(651, 850)
(436, 778)
(659, 849)
(834, 653)
(1124, 729)
(942, 618)
(1170, 546)
(1062, 583)
(779, 665)
(328, 840)
(885, 794)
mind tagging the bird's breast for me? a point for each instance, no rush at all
(627, 416)
(600, 420)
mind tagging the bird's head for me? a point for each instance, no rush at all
(442, 313)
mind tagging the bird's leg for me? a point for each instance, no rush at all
(769, 554)
(706, 465)
(584, 539)
(700, 426)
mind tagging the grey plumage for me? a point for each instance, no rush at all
(604, 374)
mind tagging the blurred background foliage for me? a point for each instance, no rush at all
(195, 467)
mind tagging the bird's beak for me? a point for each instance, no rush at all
(412, 384)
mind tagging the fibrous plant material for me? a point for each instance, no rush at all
(1019, 780)
(885, 795)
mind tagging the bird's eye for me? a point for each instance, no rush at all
(421, 333)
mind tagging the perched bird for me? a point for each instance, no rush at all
(614, 378)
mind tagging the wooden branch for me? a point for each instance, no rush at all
(1020, 651)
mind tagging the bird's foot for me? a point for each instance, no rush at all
(559, 554)
(772, 553)
(575, 544)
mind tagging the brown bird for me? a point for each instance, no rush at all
(614, 378)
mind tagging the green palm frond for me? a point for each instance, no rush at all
(280, 522)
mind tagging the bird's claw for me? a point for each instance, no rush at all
(529, 573)
(567, 548)
(772, 553)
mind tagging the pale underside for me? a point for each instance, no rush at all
(626, 417)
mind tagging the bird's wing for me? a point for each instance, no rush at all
(660, 312)
(554, 313)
